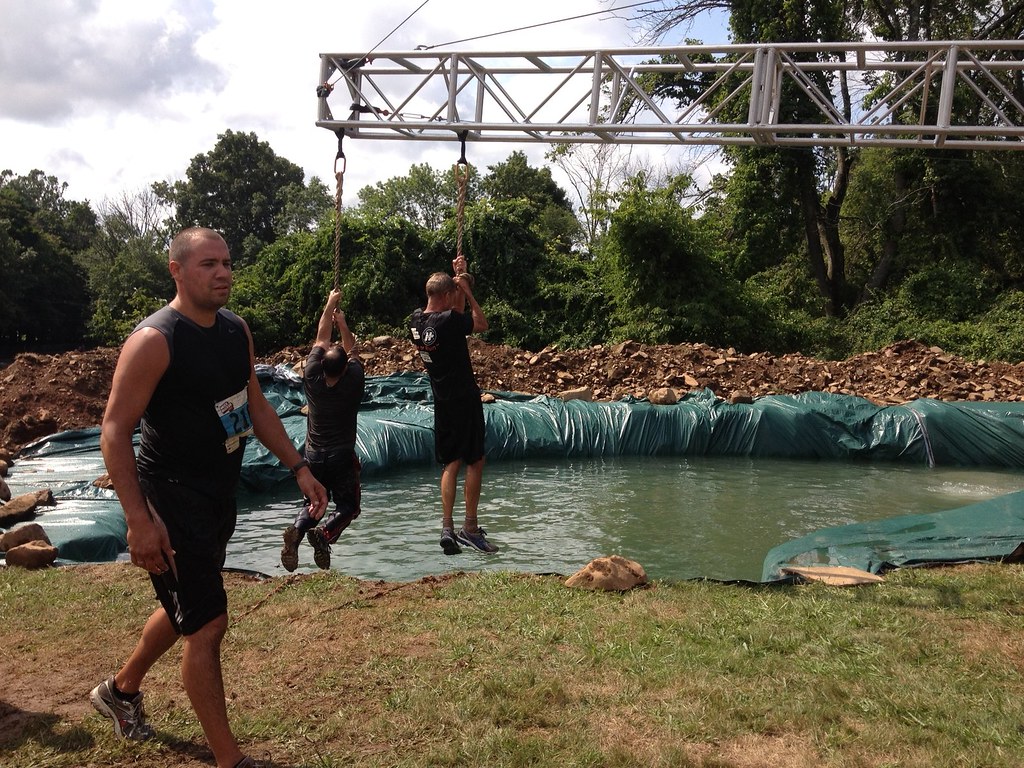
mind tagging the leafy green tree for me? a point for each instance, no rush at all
(44, 290)
(12, 309)
(515, 232)
(246, 192)
(594, 171)
(515, 179)
(757, 219)
(909, 208)
(303, 207)
(504, 252)
(384, 269)
(516, 236)
(425, 197)
(663, 285)
(282, 294)
(279, 294)
(572, 308)
(72, 222)
(935, 237)
(127, 265)
(813, 184)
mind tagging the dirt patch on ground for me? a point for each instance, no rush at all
(43, 394)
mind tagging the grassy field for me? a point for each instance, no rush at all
(500, 669)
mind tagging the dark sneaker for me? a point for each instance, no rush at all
(321, 549)
(448, 542)
(476, 540)
(128, 715)
(290, 549)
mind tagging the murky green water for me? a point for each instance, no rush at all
(679, 517)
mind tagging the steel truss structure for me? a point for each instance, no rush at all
(899, 95)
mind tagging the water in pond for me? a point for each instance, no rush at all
(679, 517)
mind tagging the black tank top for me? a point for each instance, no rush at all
(195, 426)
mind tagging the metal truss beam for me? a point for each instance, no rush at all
(900, 95)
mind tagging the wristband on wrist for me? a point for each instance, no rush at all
(300, 465)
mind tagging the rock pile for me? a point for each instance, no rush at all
(901, 372)
(43, 394)
(26, 545)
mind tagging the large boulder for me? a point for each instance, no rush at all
(18, 510)
(44, 498)
(23, 507)
(580, 393)
(32, 554)
(22, 535)
(103, 481)
(663, 396)
(612, 574)
(5, 490)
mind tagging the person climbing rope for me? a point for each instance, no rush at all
(334, 383)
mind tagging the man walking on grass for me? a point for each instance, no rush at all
(187, 372)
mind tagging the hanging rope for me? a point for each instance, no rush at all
(461, 178)
(339, 177)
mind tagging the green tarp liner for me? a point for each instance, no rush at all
(87, 524)
(395, 429)
(87, 531)
(989, 530)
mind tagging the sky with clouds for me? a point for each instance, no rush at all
(110, 96)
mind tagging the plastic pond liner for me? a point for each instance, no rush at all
(661, 484)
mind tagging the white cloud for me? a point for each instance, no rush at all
(61, 60)
(112, 95)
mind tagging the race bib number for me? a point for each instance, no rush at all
(234, 416)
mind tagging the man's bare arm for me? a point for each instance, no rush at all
(142, 362)
(348, 339)
(466, 290)
(325, 328)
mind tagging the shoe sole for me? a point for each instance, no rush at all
(450, 546)
(290, 550)
(101, 706)
(475, 548)
(321, 549)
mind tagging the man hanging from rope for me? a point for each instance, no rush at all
(439, 332)
(334, 383)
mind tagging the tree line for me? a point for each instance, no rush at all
(827, 251)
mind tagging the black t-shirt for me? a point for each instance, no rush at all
(331, 415)
(196, 423)
(440, 338)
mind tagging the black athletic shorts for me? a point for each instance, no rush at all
(338, 472)
(199, 527)
(459, 430)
